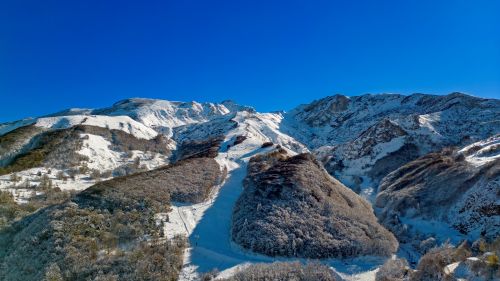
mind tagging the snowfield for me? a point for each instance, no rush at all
(22, 194)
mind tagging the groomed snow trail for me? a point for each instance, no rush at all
(210, 240)
(208, 224)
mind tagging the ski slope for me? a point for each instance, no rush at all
(210, 238)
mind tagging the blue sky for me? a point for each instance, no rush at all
(268, 54)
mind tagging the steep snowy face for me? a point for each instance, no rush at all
(455, 188)
(11, 126)
(361, 139)
(122, 123)
(482, 152)
(163, 115)
(254, 127)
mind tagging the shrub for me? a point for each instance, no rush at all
(11, 211)
(95, 174)
(431, 265)
(59, 148)
(393, 270)
(285, 271)
(207, 276)
(14, 178)
(45, 182)
(239, 139)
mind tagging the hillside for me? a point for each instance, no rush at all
(110, 230)
(458, 188)
(291, 207)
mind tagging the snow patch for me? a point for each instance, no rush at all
(123, 123)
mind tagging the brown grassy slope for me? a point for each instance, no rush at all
(443, 186)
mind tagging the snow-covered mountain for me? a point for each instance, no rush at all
(148, 114)
(361, 141)
(163, 115)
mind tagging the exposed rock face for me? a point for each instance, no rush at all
(338, 119)
(458, 188)
(291, 207)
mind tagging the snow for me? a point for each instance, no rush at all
(437, 229)
(482, 152)
(163, 115)
(359, 166)
(96, 148)
(123, 123)
(22, 194)
(102, 158)
(450, 269)
(207, 224)
(10, 126)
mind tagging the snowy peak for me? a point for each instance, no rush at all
(256, 127)
(153, 114)
(164, 115)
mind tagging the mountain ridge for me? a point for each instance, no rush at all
(371, 144)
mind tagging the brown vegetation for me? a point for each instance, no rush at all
(284, 271)
(291, 207)
(108, 230)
